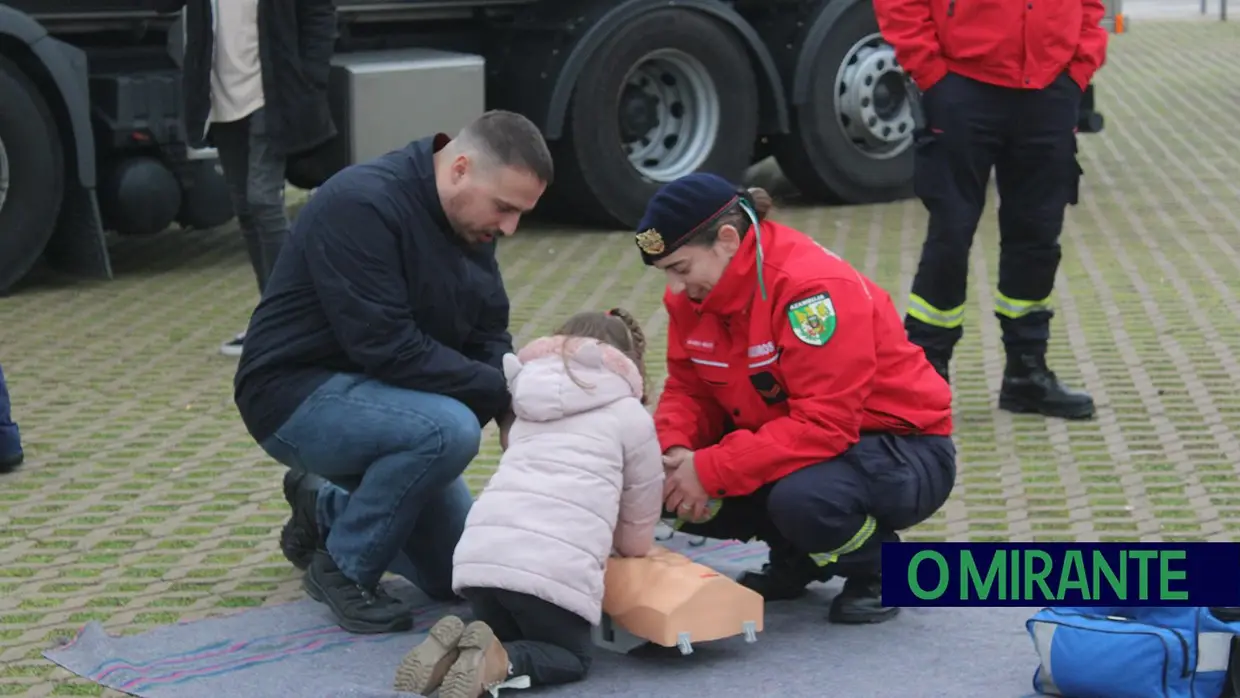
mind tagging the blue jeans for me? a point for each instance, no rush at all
(10, 438)
(394, 458)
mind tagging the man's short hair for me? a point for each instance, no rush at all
(510, 140)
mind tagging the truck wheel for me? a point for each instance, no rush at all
(851, 140)
(666, 95)
(32, 174)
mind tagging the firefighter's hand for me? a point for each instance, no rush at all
(683, 492)
(675, 456)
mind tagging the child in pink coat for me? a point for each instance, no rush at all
(581, 479)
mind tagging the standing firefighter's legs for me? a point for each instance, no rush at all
(965, 126)
(1037, 177)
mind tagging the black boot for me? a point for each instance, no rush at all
(301, 536)
(358, 609)
(940, 364)
(10, 461)
(785, 576)
(1029, 387)
(861, 602)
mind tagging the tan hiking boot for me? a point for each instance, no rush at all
(423, 669)
(482, 666)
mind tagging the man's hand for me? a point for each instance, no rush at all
(675, 456)
(683, 493)
(505, 423)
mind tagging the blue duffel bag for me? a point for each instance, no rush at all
(1135, 652)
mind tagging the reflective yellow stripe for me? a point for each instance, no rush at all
(853, 545)
(947, 319)
(1012, 308)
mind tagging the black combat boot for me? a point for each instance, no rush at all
(358, 609)
(1029, 387)
(861, 602)
(785, 576)
(301, 535)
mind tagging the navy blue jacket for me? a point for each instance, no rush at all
(374, 281)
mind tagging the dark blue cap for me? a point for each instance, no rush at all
(681, 208)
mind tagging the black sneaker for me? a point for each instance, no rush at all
(785, 577)
(1029, 387)
(861, 602)
(233, 346)
(301, 535)
(358, 609)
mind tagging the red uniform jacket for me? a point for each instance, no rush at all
(1011, 43)
(798, 390)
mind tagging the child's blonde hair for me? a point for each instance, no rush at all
(617, 328)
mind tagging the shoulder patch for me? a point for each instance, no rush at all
(812, 319)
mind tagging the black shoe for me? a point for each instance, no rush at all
(861, 602)
(784, 577)
(358, 609)
(941, 367)
(301, 536)
(1029, 387)
(10, 461)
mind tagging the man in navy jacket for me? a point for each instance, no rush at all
(373, 360)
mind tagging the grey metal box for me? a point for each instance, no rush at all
(382, 100)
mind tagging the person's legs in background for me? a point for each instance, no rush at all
(405, 451)
(11, 454)
(1037, 176)
(965, 127)
(254, 171)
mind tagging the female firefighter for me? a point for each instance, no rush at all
(795, 411)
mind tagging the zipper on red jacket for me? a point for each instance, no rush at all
(951, 8)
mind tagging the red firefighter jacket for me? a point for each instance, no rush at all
(1010, 43)
(799, 374)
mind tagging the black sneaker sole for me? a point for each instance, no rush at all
(1020, 406)
(862, 618)
(399, 624)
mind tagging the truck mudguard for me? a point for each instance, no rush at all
(66, 65)
(774, 107)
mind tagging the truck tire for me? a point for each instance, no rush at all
(32, 174)
(668, 94)
(851, 140)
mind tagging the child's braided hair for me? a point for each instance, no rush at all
(618, 328)
(639, 343)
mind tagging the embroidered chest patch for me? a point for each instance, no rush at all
(813, 319)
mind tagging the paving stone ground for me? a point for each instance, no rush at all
(144, 502)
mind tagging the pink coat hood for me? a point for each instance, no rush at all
(582, 477)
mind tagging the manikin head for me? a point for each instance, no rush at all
(492, 173)
(693, 228)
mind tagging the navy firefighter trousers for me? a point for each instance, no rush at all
(841, 511)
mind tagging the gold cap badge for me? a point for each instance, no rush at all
(650, 242)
